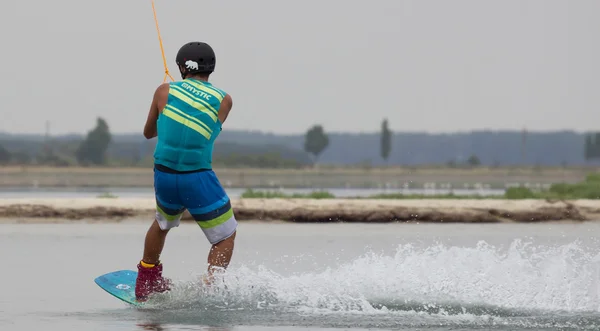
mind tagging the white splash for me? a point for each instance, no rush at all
(437, 278)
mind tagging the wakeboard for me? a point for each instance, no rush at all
(120, 284)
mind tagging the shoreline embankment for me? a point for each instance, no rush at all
(315, 210)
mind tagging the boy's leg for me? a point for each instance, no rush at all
(168, 216)
(220, 256)
(211, 208)
(169, 210)
(154, 243)
(150, 278)
(220, 228)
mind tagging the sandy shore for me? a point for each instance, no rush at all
(307, 210)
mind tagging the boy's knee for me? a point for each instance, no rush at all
(232, 237)
(226, 241)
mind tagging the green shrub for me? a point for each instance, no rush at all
(585, 190)
(274, 194)
(593, 177)
(399, 196)
(519, 193)
(563, 189)
(318, 195)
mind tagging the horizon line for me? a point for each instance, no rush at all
(122, 133)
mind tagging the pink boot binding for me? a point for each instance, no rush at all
(150, 280)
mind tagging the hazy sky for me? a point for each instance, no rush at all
(437, 66)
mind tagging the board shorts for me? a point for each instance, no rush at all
(201, 194)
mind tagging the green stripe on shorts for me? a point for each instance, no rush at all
(167, 216)
(216, 221)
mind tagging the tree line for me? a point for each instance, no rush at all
(239, 148)
(93, 151)
(98, 148)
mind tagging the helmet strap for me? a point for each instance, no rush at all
(182, 71)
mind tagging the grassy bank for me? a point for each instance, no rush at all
(317, 178)
(252, 194)
(587, 189)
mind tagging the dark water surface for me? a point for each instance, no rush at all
(311, 276)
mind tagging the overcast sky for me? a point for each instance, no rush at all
(436, 66)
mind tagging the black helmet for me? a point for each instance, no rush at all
(196, 58)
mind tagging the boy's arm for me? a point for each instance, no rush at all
(225, 108)
(159, 100)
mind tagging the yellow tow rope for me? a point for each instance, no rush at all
(162, 50)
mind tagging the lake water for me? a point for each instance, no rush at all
(311, 277)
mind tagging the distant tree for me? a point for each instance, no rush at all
(93, 149)
(592, 146)
(315, 141)
(386, 140)
(473, 161)
(4, 155)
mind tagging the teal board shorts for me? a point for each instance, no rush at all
(200, 193)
